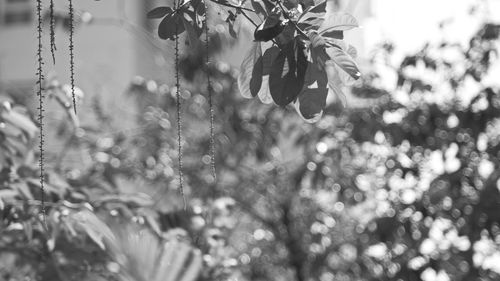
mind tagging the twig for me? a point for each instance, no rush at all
(248, 18)
(234, 6)
(285, 14)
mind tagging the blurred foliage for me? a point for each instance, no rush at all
(403, 187)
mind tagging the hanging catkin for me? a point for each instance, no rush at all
(178, 105)
(40, 96)
(210, 100)
(52, 32)
(71, 54)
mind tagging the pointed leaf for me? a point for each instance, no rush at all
(199, 7)
(269, 29)
(338, 21)
(170, 26)
(334, 34)
(194, 267)
(311, 102)
(264, 93)
(287, 75)
(261, 7)
(343, 60)
(334, 84)
(250, 78)
(192, 35)
(351, 51)
(159, 12)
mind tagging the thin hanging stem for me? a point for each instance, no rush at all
(71, 54)
(40, 96)
(178, 104)
(210, 100)
(53, 48)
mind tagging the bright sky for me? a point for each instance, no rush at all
(410, 23)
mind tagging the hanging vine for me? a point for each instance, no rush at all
(71, 54)
(178, 106)
(210, 97)
(40, 96)
(52, 32)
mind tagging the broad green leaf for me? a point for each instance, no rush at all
(342, 78)
(337, 22)
(343, 60)
(310, 103)
(23, 189)
(287, 74)
(264, 93)
(312, 99)
(192, 35)
(287, 35)
(334, 84)
(159, 12)
(194, 267)
(19, 120)
(311, 22)
(199, 7)
(170, 26)
(137, 199)
(351, 51)
(271, 27)
(268, 58)
(251, 71)
(96, 229)
(334, 34)
(317, 9)
(8, 193)
(261, 7)
(10, 130)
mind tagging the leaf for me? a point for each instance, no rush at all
(287, 75)
(338, 22)
(145, 257)
(8, 193)
(268, 58)
(334, 84)
(312, 99)
(287, 35)
(193, 36)
(250, 78)
(96, 229)
(262, 6)
(159, 12)
(269, 29)
(19, 120)
(344, 61)
(311, 102)
(259, 7)
(334, 34)
(351, 51)
(137, 199)
(23, 189)
(312, 17)
(170, 26)
(231, 30)
(199, 7)
(312, 22)
(264, 93)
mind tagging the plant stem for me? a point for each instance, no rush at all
(285, 14)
